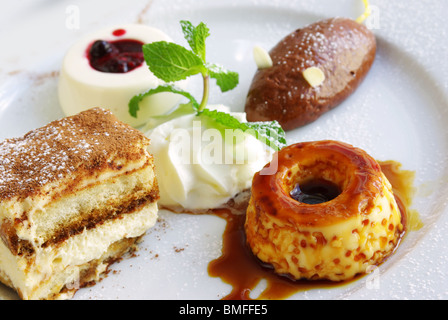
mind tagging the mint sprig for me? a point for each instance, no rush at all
(269, 132)
(135, 101)
(196, 37)
(171, 62)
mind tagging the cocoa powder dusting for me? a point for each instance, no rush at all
(69, 148)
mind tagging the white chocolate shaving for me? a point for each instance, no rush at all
(262, 58)
(314, 76)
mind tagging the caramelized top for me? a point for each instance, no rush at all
(356, 173)
(72, 147)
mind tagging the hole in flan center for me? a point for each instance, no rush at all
(315, 191)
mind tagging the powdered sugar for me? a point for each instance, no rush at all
(57, 150)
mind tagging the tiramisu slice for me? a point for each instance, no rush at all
(75, 195)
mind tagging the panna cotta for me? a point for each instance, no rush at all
(106, 69)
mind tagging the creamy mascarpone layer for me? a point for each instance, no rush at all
(38, 209)
(81, 87)
(198, 168)
(63, 259)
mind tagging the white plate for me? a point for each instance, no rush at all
(400, 112)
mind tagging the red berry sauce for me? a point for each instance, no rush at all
(119, 32)
(119, 56)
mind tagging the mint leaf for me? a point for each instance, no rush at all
(270, 132)
(135, 101)
(223, 118)
(182, 110)
(225, 79)
(195, 37)
(171, 62)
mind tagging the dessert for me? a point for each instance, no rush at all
(201, 168)
(205, 155)
(314, 69)
(75, 195)
(106, 69)
(327, 213)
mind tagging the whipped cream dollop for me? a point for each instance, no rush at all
(200, 167)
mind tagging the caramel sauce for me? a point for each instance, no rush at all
(238, 267)
(315, 191)
(402, 182)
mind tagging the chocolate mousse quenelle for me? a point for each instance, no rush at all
(312, 70)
